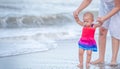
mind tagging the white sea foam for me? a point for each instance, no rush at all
(28, 40)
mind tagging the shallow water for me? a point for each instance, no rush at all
(64, 56)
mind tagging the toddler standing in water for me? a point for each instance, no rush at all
(87, 41)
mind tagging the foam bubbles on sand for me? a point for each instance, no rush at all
(10, 47)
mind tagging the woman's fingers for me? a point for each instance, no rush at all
(75, 13)
(100, 20)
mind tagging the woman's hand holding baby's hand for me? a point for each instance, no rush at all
(75, 14)
(98, 25)
(101, 20)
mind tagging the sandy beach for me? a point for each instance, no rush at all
(64, 56)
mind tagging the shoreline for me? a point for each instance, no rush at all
(64, 56)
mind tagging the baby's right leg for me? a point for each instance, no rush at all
(89, 53)
(81, 52)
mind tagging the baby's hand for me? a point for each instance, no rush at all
(98, 25)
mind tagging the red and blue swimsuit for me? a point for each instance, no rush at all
(87, 41)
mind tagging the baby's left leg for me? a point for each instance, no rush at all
(89, 53)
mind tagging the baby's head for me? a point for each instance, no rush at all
(88, 17)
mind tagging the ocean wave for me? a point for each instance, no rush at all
(37, 33)
(34, 21)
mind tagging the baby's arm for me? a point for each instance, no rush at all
(78, 21)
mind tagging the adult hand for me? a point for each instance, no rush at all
(101, 20)
(75, 14)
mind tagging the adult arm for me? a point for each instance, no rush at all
(111, 13)
(82, 6)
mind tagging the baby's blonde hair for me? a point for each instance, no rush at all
(88, 13)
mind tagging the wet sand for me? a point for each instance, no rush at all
(64, 56)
